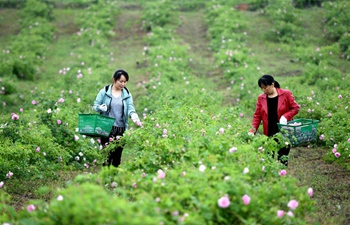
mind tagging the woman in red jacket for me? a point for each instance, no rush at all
(273, 106)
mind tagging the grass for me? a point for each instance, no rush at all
(58, 55)
(128, 45)
(328, 180)
(272, 56)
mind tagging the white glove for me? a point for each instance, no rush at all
(135, 118)
(283, 120)
(103, 107)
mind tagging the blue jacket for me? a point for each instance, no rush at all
(105, 97)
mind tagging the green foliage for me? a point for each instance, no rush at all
(344, 44)
(226, 27)
(53, 132)
(6, 211)
(50, 122)
(7, 86)
(159, 33)
(23, 68)
(99, 19)
(336, 19)
(147, 195)
(284, 32)
(314, 74)
(11, 4)
(191, 5)
(287, 26)
(258, 4)
(159, 14)
(282, 11)
(97, 207)
(307, 3)
(33, 10)
(22, 59)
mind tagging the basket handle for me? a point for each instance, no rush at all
(89, 109)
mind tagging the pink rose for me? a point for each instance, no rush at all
(292, 204)
(282, 173)
(246, 199)
(280, 213)
(224, 202)
(30, 208)
(310, 192)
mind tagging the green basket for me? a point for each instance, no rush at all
(299, 131)
(95, 125)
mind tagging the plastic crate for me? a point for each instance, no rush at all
(299, 131)
(95, 125)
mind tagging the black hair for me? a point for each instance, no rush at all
(267, 80)
(119, 73)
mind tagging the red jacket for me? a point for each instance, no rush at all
(287, 107)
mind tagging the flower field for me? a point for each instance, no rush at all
(193, 68)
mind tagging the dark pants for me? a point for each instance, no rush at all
(282, 154)
(115, 155)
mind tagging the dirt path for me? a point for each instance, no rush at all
(330, 182)
(128, 43)
(193, 32)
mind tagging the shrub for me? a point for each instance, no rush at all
(159, 14)
(307, 3)
(35, 9)
(7, 86)
(344, 44)
(336, 19)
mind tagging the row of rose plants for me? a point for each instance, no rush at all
(20, 59)
(336, 17)
(325, 100)
(5, 4)
(44, 126)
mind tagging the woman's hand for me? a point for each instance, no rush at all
(135, 118)
(103, 107)
(283, 120)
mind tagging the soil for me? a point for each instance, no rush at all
(330, 183)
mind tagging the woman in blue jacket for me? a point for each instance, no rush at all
(116, 101)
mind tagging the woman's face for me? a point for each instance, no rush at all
(120, 83)
(269, 89)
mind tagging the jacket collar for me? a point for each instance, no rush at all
(280, 93)
(125, 92)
